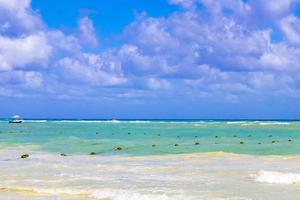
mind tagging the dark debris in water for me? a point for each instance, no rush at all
(118, 149)
(24, 156)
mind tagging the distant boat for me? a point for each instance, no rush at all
(16, 119)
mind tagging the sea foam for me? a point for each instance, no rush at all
(274, 177)
(111, 194)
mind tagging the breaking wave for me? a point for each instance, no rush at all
(274, 177)
(101, 194)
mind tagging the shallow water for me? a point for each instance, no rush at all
(184, 176)
(137, 137)
(218, 168)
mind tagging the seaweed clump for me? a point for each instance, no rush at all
(24, 156)
(118, 149)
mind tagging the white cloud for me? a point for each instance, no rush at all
(18, 17)
(224, 47)
(24, 51)
(210, 52)
(88, 71)
(291, 28)
(23, 79)
(87, 32)
(271, 9)
(156, 84)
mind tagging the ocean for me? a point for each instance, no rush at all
(150, 159)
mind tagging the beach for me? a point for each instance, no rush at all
(140, 160)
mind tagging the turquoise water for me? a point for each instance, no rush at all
(146, 160)
(153, 137)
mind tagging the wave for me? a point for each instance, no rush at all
(273, 123)
(187, 122)
(85, 121)
(125, 195)
(262, 123)
(277, 177)
(115, 194)
(236, 122)
(101, 121)
(36, 121)
(126, 121)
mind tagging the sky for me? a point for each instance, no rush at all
(175, 59)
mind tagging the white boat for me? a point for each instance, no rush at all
(16, 119)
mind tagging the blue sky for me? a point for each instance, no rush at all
(150, 59)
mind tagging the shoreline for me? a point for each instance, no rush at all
(215, 154)
(197, 176)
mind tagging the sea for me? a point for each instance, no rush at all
(150, 160)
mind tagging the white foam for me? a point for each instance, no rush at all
(35, 121)
(273, 123)
(87, 121)
(113, 194)
(262, 123)
(236, 122)
(99, 121)
(126, 195)
(277, 177)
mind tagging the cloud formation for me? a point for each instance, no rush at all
(206, 47)
(87, 32)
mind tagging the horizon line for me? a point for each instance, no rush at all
(158, 119)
